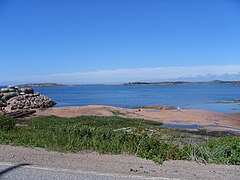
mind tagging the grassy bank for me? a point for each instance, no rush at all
(117, 135)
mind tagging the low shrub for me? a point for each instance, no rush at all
(7, 123)
(218, 150)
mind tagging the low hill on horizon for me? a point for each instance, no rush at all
(41, 85)
(182, 83)
(160, 83)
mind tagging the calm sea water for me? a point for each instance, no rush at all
(186, 96)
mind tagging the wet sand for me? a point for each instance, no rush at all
(209, 120)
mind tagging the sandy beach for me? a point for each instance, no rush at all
(208, 120)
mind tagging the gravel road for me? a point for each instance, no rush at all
(27, 172)
(52, 164)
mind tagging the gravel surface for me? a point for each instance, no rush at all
(115, 164)
(26, 172)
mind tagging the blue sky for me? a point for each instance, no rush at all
(111, 41)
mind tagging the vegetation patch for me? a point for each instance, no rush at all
(7, 123)
(146, 139)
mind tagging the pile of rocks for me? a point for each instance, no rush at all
(13, 98)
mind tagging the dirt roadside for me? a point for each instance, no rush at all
(117, 164)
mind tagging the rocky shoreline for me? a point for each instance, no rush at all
(210, 121)
(13, 98)
(19, 102)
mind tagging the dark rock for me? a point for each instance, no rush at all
(27, 90)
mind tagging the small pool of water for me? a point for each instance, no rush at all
(196, 127)
(181, 126)
(177, 121)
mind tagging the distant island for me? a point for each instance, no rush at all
(165, 83)
(41, 85)
(180, 83)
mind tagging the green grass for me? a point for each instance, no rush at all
(221, 150)
(145, 139)
(7, 123)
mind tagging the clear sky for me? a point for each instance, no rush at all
(110, 41)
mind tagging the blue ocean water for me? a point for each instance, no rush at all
(185, 96)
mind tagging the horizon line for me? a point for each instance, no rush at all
(116, 76)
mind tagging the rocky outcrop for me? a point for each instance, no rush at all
(13, 98)
(159, 107)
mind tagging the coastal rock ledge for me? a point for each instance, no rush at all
(13, 98)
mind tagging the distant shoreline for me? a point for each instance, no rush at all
(165, 83)
(42, 85)
(181, 83)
